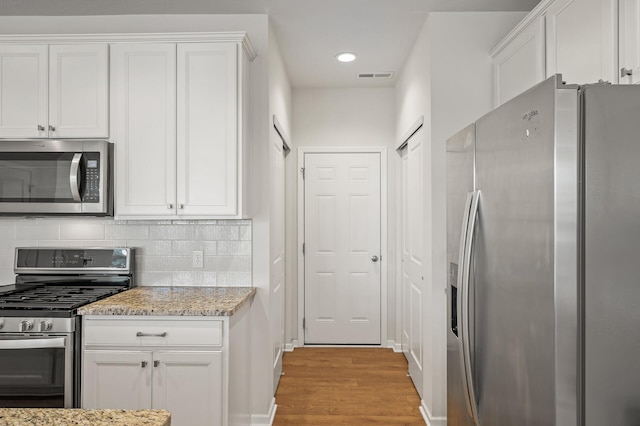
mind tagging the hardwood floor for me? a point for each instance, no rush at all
(346, 386)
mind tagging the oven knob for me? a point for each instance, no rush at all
(26, 325)
(45, 325)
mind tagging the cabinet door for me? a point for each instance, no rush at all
(520, 64)
(189, 385)
(581, 40)
(207, 129)
(143, 128)
(629, 41)
(78, 91)
(23, 91)
(116, 379)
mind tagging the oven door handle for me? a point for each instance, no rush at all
(74, 181)
(56, 342)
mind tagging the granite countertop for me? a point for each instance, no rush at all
(172, 301)
(80, 417)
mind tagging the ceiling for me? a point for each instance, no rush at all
(309, 32)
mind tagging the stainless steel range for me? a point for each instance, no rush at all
(39, 327)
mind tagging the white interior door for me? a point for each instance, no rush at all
(342, 248)
(412, 254)
(277, 281)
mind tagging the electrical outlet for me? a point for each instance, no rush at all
(198, 259)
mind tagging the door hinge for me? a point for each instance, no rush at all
(303, 248)
(302, 172)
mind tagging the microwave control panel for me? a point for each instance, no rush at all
(91, 192)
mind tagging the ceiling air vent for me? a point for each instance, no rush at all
(387, 74)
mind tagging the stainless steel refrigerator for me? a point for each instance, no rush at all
(543, 252)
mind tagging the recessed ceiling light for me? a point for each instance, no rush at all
(346, 57)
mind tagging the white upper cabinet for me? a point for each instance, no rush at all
(629, 38)
(519, 63)
(143, 125)
(177, 126)
(575, 38)
(581, 40)
(56, 91)
(207, 139)
(78, 91)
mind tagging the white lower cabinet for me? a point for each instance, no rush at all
(187, 384)
(119, 379)
(179, 364)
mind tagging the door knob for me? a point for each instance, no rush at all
(374, 258)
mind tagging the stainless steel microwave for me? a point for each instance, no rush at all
(56, 177)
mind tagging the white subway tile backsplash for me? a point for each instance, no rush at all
(218, 233)
(234, 279)
(82, 231)
(228, 263)
(186, 247)
(151, 247)
(245, 233)
(7, 277)
(234, 248)
(124, 232)
(6, 262)
(7, 232)
(155, 279)
(38, 232)
(171, 232)
(164, 248)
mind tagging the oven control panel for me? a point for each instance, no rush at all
(37, 325)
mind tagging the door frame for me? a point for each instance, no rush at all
(382, 150)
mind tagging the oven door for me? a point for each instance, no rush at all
(36, 371)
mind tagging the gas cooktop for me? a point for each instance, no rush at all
(54, 297)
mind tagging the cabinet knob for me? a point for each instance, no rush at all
(625, 72)
(156, 363)
(170, 206)
(181, 206)
(374, 258)
(143, 364)
(52, 128)
(40, 128)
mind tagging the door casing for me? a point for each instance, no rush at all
(383, 232)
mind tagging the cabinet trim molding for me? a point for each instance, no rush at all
(179, 37)
(532, 16)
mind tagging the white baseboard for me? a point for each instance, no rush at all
(265, 419)
(289, 347)
(428, 418)
(397, 347)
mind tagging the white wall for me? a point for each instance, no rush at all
(339, 118)
(278, 98)
(448, 79)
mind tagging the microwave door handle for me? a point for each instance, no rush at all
(74, 182)
(58, 342)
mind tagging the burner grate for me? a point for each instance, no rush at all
(55, 297)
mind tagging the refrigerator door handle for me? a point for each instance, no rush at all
(461, 304)
(466, 279)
